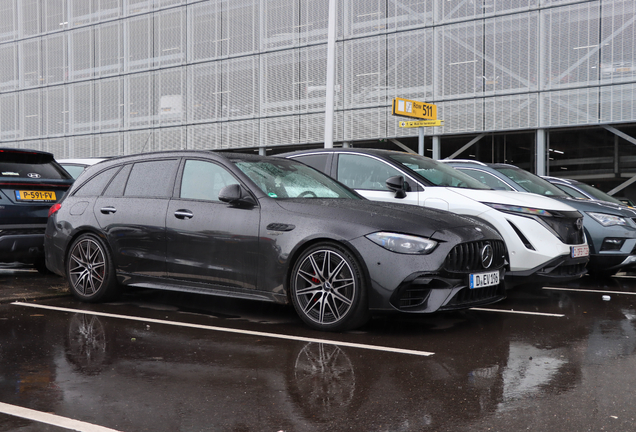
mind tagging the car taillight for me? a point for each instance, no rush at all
(55, 207)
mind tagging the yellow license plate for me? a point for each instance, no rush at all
(35, 195)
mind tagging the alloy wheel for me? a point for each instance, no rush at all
(325, 287)
(86, 267)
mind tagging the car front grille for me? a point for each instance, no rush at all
(565, 226)
(467, 257)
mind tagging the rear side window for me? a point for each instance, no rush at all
(96, 185)
(73, 170)
(152, 179)
(116, 187)
(25, 165)
(317, 161)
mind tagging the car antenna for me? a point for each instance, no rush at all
(146, 143)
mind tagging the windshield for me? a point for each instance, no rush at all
(437, 173)
(598, 194)
(289, 179)
(531, 182)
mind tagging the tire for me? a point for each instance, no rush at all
(90, 271)
(327, 289)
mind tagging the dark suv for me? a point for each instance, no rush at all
(30, 183)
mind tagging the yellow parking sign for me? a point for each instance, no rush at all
(411, 108)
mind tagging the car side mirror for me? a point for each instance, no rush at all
(235, 194)
(396, 184)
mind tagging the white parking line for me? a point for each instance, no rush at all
(589, 290)
(512, 311)
(230, 330)
(51, 419)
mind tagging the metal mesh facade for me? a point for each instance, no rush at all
(108, 77)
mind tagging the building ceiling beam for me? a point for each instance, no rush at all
(621, 134)
(622, 186)
(473, 141)
(402, 146)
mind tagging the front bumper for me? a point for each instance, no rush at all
(611, 261)
(608, 263)
(429, 283)
(431, 292)
(560, 269)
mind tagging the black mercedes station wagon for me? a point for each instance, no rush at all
(30, 182)
(269, 229)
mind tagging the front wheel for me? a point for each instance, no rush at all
(90, 270)
(327, 289)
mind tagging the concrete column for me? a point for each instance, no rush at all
(331, 74)
(541, 152)
(437, 147)
(262, 151)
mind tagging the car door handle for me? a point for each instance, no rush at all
(108, 210)
(183, 214)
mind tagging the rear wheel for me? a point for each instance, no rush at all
(327, 289)
(90, 270)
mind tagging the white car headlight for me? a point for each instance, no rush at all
(607, 219)
(402, 243)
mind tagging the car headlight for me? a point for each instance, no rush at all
(517, 209)
(402, 243)
(607, 219)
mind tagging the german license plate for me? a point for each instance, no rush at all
(580, 251)
(480, 280)
(23, 195)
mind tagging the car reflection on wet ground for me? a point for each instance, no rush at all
(568, 366)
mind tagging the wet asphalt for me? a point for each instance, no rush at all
(544, 359)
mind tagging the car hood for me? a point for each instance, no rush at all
(598, 206)
(522, 199)
(371, 216)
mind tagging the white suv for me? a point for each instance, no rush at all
(544, 237)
